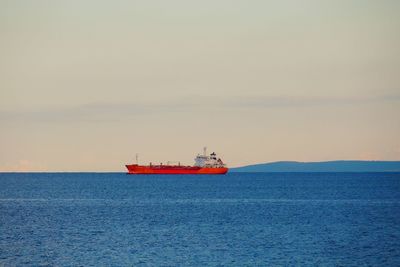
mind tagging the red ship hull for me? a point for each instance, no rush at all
(173, 169)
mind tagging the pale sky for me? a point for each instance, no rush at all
(85, 85)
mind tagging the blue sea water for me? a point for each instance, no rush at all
(240, 219)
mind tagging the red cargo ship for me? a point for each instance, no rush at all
(203, 165)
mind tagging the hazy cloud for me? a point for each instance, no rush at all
(23, 166)
(118, 111)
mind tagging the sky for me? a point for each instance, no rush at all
(85, 85)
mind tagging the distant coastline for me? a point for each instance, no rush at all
(323, 166)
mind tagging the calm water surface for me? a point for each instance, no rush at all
(241, 219)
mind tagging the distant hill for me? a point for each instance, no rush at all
(324, 166)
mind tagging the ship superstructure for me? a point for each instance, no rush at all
(210, 161)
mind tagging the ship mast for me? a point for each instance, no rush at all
(204, 151)
(137, 158)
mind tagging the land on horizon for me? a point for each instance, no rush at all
(322, 166)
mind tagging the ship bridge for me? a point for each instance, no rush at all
(211, 161)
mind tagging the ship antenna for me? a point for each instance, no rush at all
(205, 151)
(137, 158)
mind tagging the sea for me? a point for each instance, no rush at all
(238, 219)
